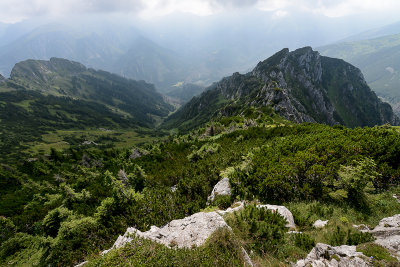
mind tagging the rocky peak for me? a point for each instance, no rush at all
(303, 62)
(301, 86)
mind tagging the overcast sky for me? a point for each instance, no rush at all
(17, 10)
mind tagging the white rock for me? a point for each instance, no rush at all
(81, 264)
(222, 188)
(387, 234)
(320, 223)
(184, 233)
(323, 255)
(246, 258)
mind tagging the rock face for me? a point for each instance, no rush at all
(301, 86)
(222, 188)
(326, 255)
(185, 233)
(320, 224)
(387, 234)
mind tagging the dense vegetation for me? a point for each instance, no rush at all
(62, 208)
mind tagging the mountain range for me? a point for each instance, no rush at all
(162, 52)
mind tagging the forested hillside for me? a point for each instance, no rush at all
(43, 97)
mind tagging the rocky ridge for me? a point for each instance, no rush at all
(301, 86)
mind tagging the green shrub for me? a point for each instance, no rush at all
(347, 236)
(222, 202)
(75, 240)
(355, 181)
(24, 250)
(376, 251)
(7, 229)
(53, 220)
(357, 237)
(264, 229)
(304, 241)
(205, 150)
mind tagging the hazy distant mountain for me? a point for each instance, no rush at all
(172, 49)
(390, 29)
(148, 61)
(301, 86)
(379, 60)
(124, 51)
(183, 92)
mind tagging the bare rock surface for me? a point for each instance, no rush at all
(184, 233)
(320, 223)
(387, 234)
(326, 255)
(222, 188)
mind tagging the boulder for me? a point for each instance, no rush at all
(188, 232)
(320, 223)
(222, 188)
(387, 234)
(326, 255)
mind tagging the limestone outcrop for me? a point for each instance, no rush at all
(387, 234)
(222, 188)
(326, 255)
(184, 233)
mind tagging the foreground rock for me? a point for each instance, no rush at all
(387, 234)
(185, 233)
(222, 188)
(326, 255)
